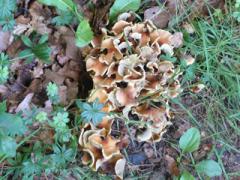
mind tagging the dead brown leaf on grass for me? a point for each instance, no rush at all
(25, 104)
(159, 16)
(5, 40)
(172, 165)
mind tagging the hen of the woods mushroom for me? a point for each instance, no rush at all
(133, 77)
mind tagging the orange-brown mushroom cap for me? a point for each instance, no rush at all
(96, 66)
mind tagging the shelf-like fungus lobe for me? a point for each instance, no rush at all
(131, 75)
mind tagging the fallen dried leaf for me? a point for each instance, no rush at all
(4, 40)
(148, 150)
(25, 104)
(176, 40)
(159, 16)
(172, 166)
(38, 70)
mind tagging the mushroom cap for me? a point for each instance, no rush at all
(119, 26)
(115, 164)
(99, 68)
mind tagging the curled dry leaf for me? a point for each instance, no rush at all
(3, 89)
(148, 150)
(25, 104)
(188, 27)
(63, 94)
(22, 19)
(48, 108)
(68, 37)
(188, 59)
(197, 88)
(38, 21)
(159, 16)
(177, 40)
(38, 70)
(46, 135)
(172, 166)
(4, 40)
(19, 29)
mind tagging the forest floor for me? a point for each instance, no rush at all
(211, 34)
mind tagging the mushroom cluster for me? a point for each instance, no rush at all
(132, 74)
(134, 78)
(101, 151)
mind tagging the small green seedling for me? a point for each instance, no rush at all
(41, 116)
(186, 176)
(188, 143)
(236, 13)
(59, 123)
(7, 14)
(4, 68)
(10, 126)
(52, 92)
(39, 50)
(63, 18)
(190, 140)
(91, 112)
